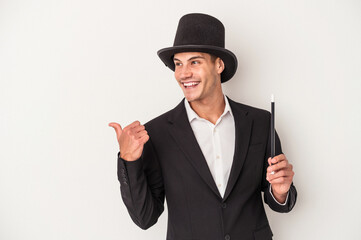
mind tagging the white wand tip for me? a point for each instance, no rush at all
(272, 98)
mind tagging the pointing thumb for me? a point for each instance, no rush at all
(117, 128)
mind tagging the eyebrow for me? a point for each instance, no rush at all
(192, 58)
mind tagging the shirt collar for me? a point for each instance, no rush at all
(193, 115)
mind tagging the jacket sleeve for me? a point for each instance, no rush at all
(142, 188)
(266, 186)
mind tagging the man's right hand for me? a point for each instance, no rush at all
(131, 140)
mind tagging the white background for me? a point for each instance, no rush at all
(68, 68)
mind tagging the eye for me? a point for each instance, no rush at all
(195, 62)
(177, 64)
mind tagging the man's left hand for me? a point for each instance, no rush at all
(282, 177)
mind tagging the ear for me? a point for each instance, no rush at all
(220, 65)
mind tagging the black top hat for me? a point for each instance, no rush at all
(198, 32)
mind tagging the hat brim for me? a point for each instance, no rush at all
(229, 59)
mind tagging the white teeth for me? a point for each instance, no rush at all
(189, 84)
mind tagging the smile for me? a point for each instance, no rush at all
(190, 84)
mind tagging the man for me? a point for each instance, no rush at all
(209, 156)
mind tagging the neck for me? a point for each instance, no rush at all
(210, 109)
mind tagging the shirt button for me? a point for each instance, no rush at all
(227, 237)
(217, 156)
(219, 185)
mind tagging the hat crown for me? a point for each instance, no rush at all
(200, 29)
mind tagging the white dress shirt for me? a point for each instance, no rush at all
(217, 143)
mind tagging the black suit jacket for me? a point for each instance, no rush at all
(172, 165)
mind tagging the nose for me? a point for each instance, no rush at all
(184, 72)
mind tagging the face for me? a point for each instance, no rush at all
(198, 75)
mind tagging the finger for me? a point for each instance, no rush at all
(280, 180)
(136, 132)
(134, 124)
(279, 174)
(131, 129)
(117, 128)
(278, 158)
(278, 166)
(270, 164)
(138, 129)
(288, 172)
(140, 134)
(144, 139)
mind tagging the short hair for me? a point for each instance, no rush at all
(213, 57)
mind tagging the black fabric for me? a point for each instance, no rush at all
(201, 33)
(172, 166)
(264, 233)
(199, 29)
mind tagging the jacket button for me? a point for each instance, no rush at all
(227, 237)
(224, 205)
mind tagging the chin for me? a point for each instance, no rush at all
(190, 98)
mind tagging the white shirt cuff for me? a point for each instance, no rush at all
(282, 204)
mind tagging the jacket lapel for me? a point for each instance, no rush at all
(183, 135)
(243, 125)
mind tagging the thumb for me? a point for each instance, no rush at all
(118, 129)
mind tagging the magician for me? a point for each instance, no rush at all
(209, 156)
